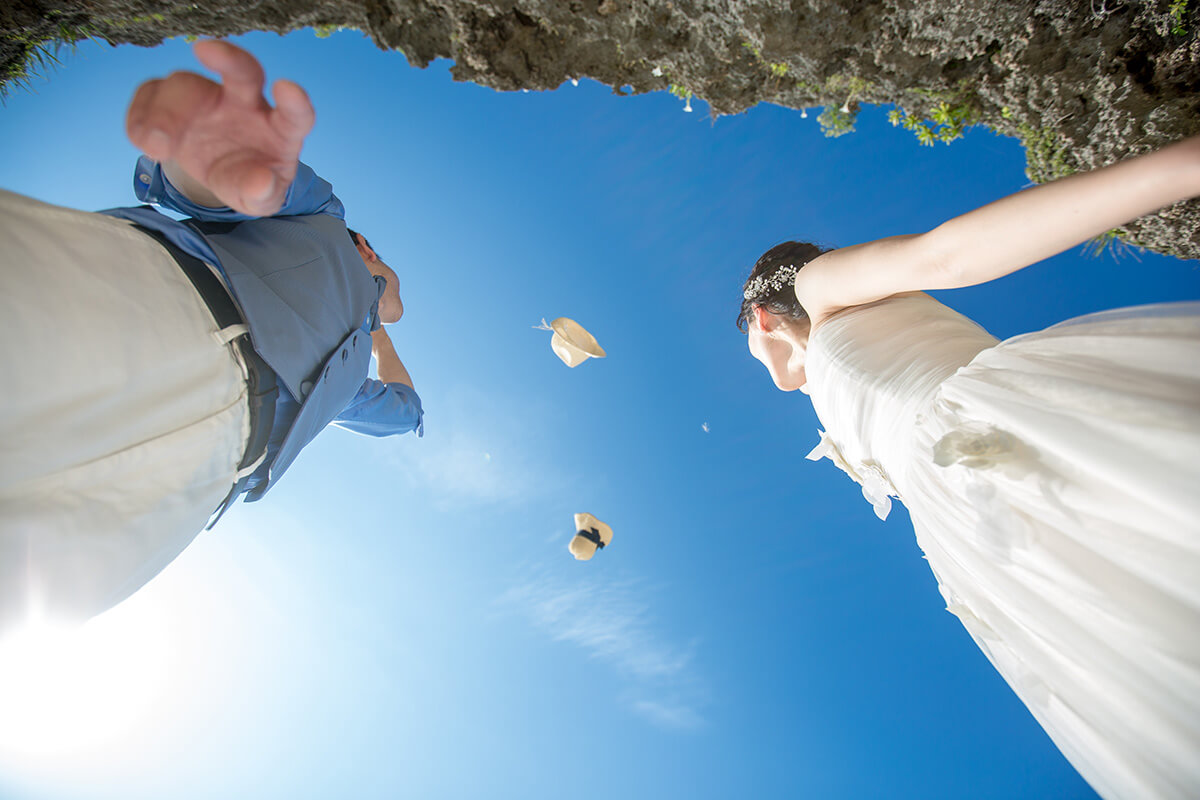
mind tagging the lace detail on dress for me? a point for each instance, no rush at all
(876, 486)
(976, 446)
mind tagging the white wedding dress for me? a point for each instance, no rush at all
(1054, 483)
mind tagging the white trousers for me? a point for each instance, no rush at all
(123, 411)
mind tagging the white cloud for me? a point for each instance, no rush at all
(611, 621)
(669, 715)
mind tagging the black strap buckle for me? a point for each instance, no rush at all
(593, 535)
(262, 390)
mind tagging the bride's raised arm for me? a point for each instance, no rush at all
(1003, 236)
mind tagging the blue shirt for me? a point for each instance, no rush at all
(378, 409)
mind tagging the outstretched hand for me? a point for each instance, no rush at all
(225, 136)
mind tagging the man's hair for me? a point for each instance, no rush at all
(354, 238)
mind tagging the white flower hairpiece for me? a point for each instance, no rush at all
(763, 285)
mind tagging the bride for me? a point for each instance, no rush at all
(1053, 479)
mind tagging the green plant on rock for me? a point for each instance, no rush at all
(683, 94)
(837, 121)
(1105, 241)
(777, 69)
(40, 54)
(945, 123)
(38, 58)
(1177, 11)
(956, 110)
(1116, 241)
(852, 86)
(1045, 154)
(325, 31)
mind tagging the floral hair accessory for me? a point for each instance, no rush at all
(763, 285)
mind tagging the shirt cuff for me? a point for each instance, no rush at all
(307, 194)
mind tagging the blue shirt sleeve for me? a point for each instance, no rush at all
(383, 409)
(308, 194)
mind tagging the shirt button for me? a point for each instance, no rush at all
(144, 178)
(306, 387)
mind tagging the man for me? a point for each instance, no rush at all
(156, 370)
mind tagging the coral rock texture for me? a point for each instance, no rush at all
(1081, 83)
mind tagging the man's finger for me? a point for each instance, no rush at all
(137, 125)
(162, 109)
(164, 113)
(259, 191)
(241, 73)
(294, 114)
(247, 185)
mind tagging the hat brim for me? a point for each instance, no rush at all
(577, 336)
(567, 353)
(583, 549)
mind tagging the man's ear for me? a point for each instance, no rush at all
(364, 249)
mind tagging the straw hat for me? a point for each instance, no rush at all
(585, 543)
(572, 343)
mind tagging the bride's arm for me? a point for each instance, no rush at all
(1003, 236)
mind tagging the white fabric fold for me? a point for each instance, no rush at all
(1051, 479)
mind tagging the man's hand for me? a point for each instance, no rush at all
(225, 137)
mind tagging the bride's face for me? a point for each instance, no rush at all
(782, 347)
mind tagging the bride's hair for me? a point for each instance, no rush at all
(778, 299)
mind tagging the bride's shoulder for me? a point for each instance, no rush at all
(859, 274)
(819, 316)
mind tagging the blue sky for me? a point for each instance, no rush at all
(401, 618)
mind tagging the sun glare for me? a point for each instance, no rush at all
(66, 690)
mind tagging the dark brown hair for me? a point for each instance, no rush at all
(354, 238)
(783, 299)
